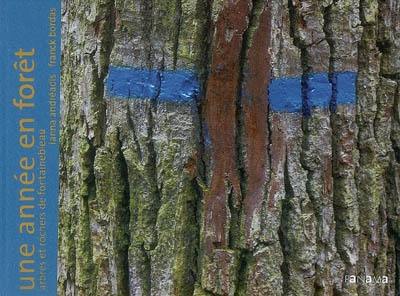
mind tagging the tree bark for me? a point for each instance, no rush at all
(222, 195)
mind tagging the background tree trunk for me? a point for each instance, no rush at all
(221, 195)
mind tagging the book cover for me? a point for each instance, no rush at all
(200, 147)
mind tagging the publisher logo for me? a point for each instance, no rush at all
(366, 279)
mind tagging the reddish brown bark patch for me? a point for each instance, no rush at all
(255, 109)
(220, 116)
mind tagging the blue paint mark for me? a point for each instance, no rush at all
(285, 95)
(346, 88)
(302, 94)
(288, 94)
(179, 86)
(123, 82)
(316, 92)
(319, 90)
(343, 89)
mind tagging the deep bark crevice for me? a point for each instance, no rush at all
(203, 40)
(146, 11)
(243, 272)
(397, 276)
(283, 230)
(151, 165)
(122, 238)
(177, 32)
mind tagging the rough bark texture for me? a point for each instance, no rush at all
(221, 195)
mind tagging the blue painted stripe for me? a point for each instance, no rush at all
(285, 94)
(288, 94)
(346, 87)
(180, 85)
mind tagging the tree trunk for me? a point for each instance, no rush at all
(224, 190)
